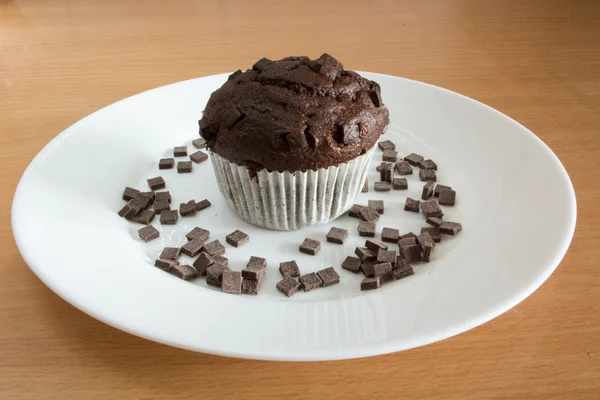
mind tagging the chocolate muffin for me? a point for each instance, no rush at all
(294, 114)
(306, 120)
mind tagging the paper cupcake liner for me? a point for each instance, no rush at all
(286, 200)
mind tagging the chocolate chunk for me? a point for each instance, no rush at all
(427, 244)
(450, 228)
(257, 262)
(329, 276)
(386, 171)
(202, 204)
(230, 116)
(180, 151)
(427, 175)
(187, 209)
(289, 268)
(427, 164)
(386, 145)
(326, 66)
(411, 205)
(370, 284)
(144, 217)
(202, 263)
(184, 167)
(368, 214)
(310, 246)
(400, 263)
(406, 235)
(261, 64)
(198, 233)
(375, 246)
(337, 235)
(129, 193)
(447, 197)
(365, 188)
(214, 248)
(431, 208)
(253, 272)
(407, 241)
(353, 212)
(377, 205)
(166, 163)
(220, 259)
(375, 98)
(134, 206)
(399, 184)
(390, 156)
(383, 271)
(439, 188)
(169, 217)
(384, 256)
(368, 268)
(348, 134)
(382, 186)
(198, 157)
(288, 286)
(250, 286)
(199, 143)
(433, 232)
(160, 206)
(310, 281)
(427, 190)
(403, 168)
(352, 264)
(193, 247)
(237, 238)
(162, 196)
(165, 265)
(365, 254)
(231, 282)
(170, 253)
(413, 159)
(296, 141)
(366, 229)
(215, 272)
(156, 183)
(234, 75)
(434, 221)
(148, 233)
(411, 253)
(402, 273)
(390, 235)
(184, 272)
(213, 282)
(148, 198)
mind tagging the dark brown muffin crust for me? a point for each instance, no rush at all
(294, 114)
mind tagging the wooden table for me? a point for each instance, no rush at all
(537, 61)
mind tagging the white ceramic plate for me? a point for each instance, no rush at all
(515, 201)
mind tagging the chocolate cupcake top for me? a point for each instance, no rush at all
(294, 114)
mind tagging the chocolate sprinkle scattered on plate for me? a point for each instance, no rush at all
(184, 272)
(377, 205)
(148, 233)
(431, 208)
(447, 197)
(390, 156)
(329, 276)
(310, 246)
(202, 263)
(310, 281)
(198, 157)
(192, 248)
(180, 151)
(375, 246)
(427, 175)
(399, 184)
(288, 286)
(184, 167)
(337, 235)
(390, 235)
(370, 284)
(170, 253)
(366, 228)
(439, 188)
(129, 193)
(165, 265)
(403, 168)
(231, 282)
(289, 268)
(237, 238)
(450, 228)
(411, 205)
(214, 248)
(198, 233)
(386, 145)
(382, 186)
(166, 163)
(169, 217)
(428, 164)
(427, 190)
(368, 214)
(433, 232)
(413, 159)
(352, 264)
(434, 221)
(202, 204)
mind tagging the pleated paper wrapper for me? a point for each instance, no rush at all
(286, 201)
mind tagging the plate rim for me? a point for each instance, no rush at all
(389, 345)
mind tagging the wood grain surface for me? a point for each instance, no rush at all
(537, 61)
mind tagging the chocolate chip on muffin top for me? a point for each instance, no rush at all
(294, 114)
